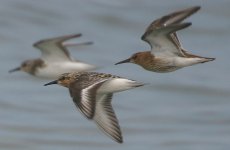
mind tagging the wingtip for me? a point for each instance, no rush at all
(120, 141)
(86, 43)
(57, 39)
(197, 7)
(77, 35)
(193, 9)
(71, 36)
(89, 43)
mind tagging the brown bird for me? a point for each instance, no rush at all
(166, 53)
(92, 93)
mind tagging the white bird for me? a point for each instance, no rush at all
(55, 59)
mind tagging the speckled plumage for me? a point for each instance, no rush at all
(92, 93)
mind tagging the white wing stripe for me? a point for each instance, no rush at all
(88, 99)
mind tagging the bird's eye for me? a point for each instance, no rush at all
(24, 65)
(135, 56)
(62, 78)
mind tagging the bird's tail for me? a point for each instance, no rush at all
(202, 59)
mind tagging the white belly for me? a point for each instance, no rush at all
(54, 70)
(183, 61)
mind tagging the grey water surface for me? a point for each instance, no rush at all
(184, 110)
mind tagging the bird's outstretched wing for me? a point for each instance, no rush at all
(105, 117)
(84, 94)
(167, 43)
(53, 49)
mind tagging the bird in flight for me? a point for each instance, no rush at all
(55, 58)
(92, 93)
(167, 53)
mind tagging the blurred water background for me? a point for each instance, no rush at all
(187, 109)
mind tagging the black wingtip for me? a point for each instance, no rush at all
(197, 8)
(120, 141)
(89, 43)
(86, 43)
(77, 35)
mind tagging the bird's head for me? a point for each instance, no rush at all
(26, 66)
(136, 58)
(64, 80)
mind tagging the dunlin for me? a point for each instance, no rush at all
(166, 53)
(55, 59)
(92, 93)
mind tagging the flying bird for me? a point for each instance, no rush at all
(55, 58)
(92, 93)
(167, 53)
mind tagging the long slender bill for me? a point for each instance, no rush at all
(52, 82)
(15, 69)
(123, 61)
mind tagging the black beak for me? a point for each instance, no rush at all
(123, 61)
(15, 69)
(52, 82)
